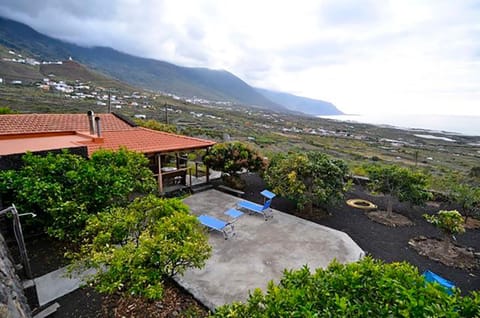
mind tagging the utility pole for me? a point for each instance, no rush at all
(109, 104)
(166, 113)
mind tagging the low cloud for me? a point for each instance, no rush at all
(372, 56)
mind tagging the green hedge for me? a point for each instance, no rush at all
(368, 288)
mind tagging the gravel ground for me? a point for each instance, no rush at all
(382, 242)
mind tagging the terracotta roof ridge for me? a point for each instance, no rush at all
(124, 118)
(176, 135)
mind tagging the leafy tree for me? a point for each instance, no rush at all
(402, 183)
(156, 125)
(137, 247)
(115, 176)
(232, 157)
(368, 288)
(46, 186)
(307, 178)
(63, 189)
(468, 197)
(449, 222)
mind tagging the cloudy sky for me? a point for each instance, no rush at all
(365, 56)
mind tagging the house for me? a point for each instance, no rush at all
(85, 134)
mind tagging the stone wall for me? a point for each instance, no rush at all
(13, 303)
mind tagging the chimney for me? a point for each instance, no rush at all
(97, 125)
(91, 122)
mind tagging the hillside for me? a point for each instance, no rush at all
(67, 71)
(71, 70)
(305, 105)
(142, 72)
(16, 71)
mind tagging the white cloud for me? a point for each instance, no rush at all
(387, 56)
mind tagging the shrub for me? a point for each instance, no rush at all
(402, 183)
(136, 247)
(5, 110)
(307, 178)
(232, 157)
(63, 189)
(368, 288)
(156, 125)
(449, 222)
(475, 172)
(467, 197)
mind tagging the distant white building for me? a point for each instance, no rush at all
(32, 61)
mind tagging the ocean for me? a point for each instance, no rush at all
(466, 125)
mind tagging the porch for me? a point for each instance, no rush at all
(176, 171)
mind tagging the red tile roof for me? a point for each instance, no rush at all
(147, 141)
(23, 130)
(35, 123)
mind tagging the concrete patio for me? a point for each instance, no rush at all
(260, 251)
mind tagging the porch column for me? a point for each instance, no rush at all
(160, 181)
(207, 170)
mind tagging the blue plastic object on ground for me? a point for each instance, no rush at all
(431, 277)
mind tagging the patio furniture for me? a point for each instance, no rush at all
(234, 214)
(257, 208)
(268, 195)
(216, 224)
(431, 277)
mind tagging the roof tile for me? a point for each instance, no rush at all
(36, 123)
(115, 133)
(147, 141)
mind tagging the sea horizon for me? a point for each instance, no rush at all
(445, 124)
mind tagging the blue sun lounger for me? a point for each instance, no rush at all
(216, 224)
(257, 208)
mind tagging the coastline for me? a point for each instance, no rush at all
(441, 124)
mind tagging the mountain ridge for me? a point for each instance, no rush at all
(310, 106)
(216, 85)
(136, 71)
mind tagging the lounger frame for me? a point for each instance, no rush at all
(257, 208)
(212, 223)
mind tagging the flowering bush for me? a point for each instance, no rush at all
(233, 157)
